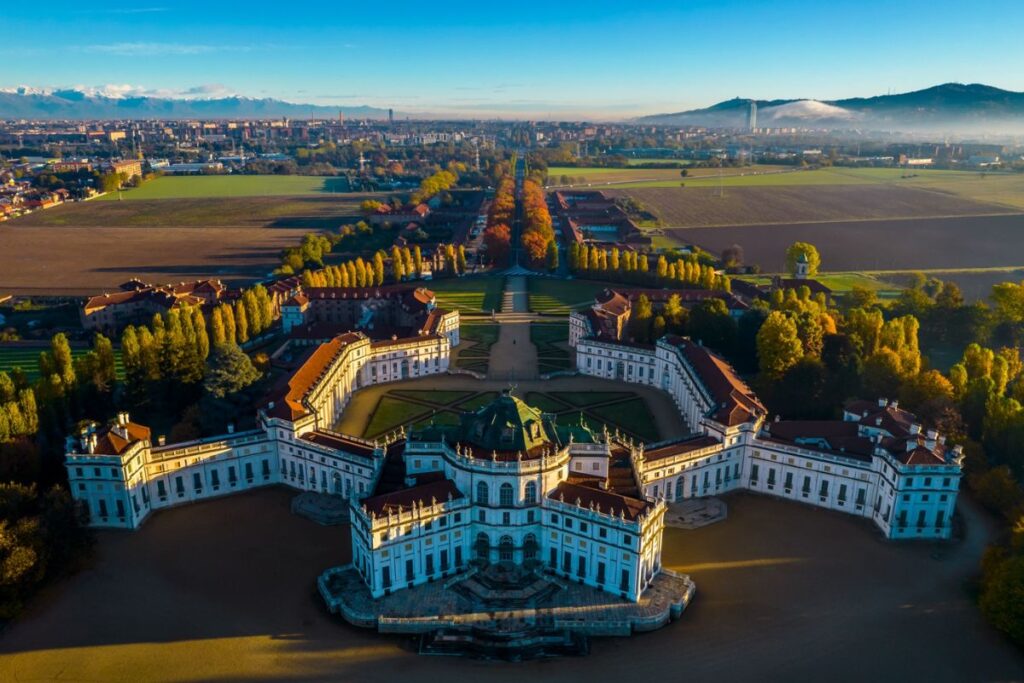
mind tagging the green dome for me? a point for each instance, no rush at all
(507, 424)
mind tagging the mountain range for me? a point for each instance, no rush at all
(28, 103)
(949, 107)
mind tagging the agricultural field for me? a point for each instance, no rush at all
(972, 242)
(90, 247)
(209, 186)
(707, 206)
(469, 294)
(660, 177)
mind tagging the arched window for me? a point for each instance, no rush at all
(531, 493)
(482, 493)
(530, 547)
(505, 495)
(505, 549)
(482, 546)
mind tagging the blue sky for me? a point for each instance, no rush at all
(560, 58)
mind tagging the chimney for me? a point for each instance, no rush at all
(161, 440)
(894, 405)
(231, 428)
(882, 402)
(915, 429)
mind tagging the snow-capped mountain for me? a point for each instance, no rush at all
(948, 107)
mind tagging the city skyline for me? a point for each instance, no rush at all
(552, 63)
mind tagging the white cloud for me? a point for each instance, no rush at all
(148, 49)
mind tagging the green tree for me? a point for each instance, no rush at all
(808, 251)
(229, 371)
(552, 256)
(778, 345)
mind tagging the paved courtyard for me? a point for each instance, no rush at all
(225, 591)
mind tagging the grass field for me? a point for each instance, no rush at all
(559, 297)
(199, 186)
(27, 358)
(469, 294)
(641, 177)
(474, 351)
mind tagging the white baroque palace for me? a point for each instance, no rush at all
(507, 484)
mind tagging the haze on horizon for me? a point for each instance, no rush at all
(572, 59)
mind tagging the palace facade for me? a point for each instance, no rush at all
(508, 484)
(877, 462)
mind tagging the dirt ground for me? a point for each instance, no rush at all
(91, 247)
(710, 206)
(924, 243)
(224, 591)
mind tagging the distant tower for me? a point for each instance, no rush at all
(476, 148)
(391, 117)
(362, 163)
(752, 117)
(802, 267)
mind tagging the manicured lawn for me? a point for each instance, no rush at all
(632, 416)
(477, 401)
(589, 398)
(443, 398)
(193, 187)
(392, 412)
(550, 340)
(469, 294)
(28, 359)
(625, 410)
(559, 297)
(546, 402)
(483, 336)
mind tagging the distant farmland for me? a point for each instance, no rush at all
(93, 246)
(706, 206)
(669, 177)
(200, 186)
(911, 244)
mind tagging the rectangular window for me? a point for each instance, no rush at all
(771, 476)
(624, 581)
(232, 476)
(161, 490)
(754, 471)
(602, 532)
(430, 564)
(266, 469)
(410, 575)
(444, 560)
(385, 575)
(458, 556)
(581, 566)
(861, 497)
(103, 509)
(120, 507)
(842, 493)
(600, 572)
(215, 478)
(807, 486)
(197, 481)
(566, 562)
(788, 485)
(553, 560)
(248, 471)
(940, 519)
(179, 485)
(823, 492)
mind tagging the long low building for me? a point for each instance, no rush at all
(877, 462)
(120, 474)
